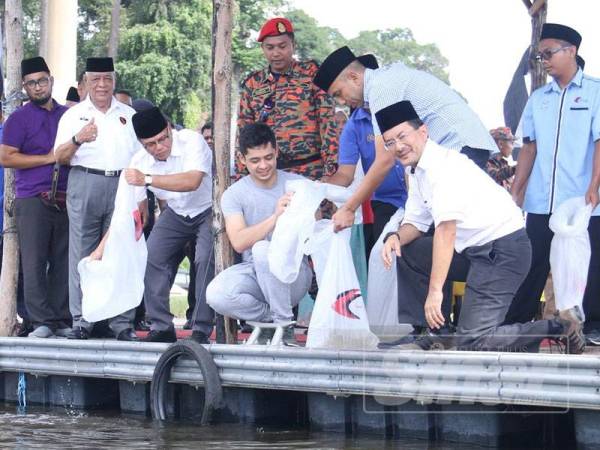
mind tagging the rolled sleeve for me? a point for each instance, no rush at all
(416, 214)
(528, 124)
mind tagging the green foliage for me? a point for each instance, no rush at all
(165, 52)
(399, 44)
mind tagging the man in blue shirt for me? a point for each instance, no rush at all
(560, 159)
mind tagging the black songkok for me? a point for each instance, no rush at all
(99, 65)
(395, 114)
(73, 95)
(148, 123)
(335, 63)
(33, 65)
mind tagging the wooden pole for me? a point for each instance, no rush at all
(10, 256)
(115, 25)
(222, 72)
(538, 11)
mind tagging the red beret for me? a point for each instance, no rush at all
(275, 27)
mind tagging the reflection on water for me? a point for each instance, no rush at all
(61, 428)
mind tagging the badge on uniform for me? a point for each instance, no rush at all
(281, 27)
(261, 91)
(123, 120)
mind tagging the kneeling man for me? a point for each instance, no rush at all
(479, 238)
(176, 166)
(251, 206)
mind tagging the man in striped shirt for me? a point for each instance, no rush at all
(450, 121)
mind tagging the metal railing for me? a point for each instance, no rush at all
(488, 377)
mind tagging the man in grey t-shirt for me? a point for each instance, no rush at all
(252, 206)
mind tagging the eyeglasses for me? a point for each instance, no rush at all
(154, 144)
(391, 144)
(547, 55)
(42, 82)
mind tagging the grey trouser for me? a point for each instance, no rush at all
(165, 244)
(493, 273)
(249, 291)
(44, 244)
(90, 204)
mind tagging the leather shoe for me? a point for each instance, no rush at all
(199, 337)
(127, 335)
(161, 336)
(78, 333)
(142, 325)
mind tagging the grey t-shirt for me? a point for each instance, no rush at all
(253, 202)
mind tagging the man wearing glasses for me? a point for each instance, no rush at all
(479, 238)
(96, 138)
(42, 222)
(176, 166)
(560, 159)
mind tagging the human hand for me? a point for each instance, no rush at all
(592, 196)
(343, 218)
(88, 133)
(134, 177)
(283, 203)
(433, 309)
(391, 247)
(96, 255)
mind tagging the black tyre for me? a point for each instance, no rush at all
(213, 393)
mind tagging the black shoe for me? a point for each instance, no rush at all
(187, 325)
(441, 339)
(24, 329)
(142, 325)
(572, 336)
(199, 337)
(78, 333)
(161, 336)
(127, 335)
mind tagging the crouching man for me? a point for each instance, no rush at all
(251, 207)
(176, 166)
(479, 238)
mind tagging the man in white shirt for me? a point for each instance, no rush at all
(479, 238)
(96, 138)
(176, 166)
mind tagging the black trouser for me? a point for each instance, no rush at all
(383, 212)
(527, 300)
(44, 240)
(492, 272)
(478, 155)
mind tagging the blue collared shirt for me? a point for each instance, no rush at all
(358, 141)
(564, 125)
(450, 121)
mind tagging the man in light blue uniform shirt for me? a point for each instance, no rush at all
(560, 159)
(451, 122)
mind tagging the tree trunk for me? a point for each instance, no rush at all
(43, 28)
(222, 71)
(538, 11)
(10, 256)
(115, 25)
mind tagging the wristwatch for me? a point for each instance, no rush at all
(75, 141)
(148, 180)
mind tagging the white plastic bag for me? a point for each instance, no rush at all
(339, 319)
(382, 288)
(570, 252)
(115, 284)
(295, 225)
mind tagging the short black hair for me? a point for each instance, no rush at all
(256, 134)
(415, 123)
(207, 126)
(123, 91)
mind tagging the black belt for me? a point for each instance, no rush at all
(287, 163)
(104, 173)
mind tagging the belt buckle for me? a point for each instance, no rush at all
(110, 173)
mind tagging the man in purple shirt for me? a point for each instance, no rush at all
(40, 184)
